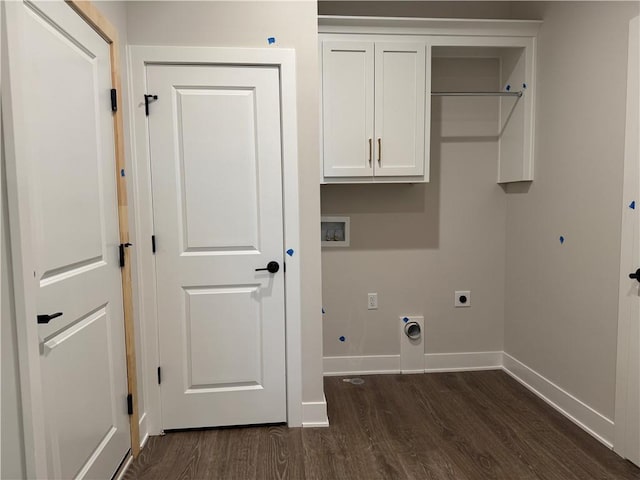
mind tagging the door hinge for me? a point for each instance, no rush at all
(130, 404)
(147, 100)
(159, 375)
(153, 244)
(121, 248)
(114, 100)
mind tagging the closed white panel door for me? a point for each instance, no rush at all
(63, 132)
(632, 152)
(347, 110)
(217, 201)
(400, 109)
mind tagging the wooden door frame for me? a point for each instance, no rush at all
(23, 261)
(628, 306)
(284, 59)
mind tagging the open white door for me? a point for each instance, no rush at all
(215, 149)
(63, 207)
(627, 421)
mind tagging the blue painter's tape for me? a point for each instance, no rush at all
(271, 40)
(508, 88)
(632, 205)
(405, 319)
(122, 172)
(323, 312)
(561, 239)
(342, 338)
(290, 252)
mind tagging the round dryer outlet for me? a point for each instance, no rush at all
(462, 298)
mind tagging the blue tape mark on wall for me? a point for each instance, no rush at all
(122, 172)
(524, 85)
(508, 87)
(323, 312)
(405, 319)
(290, 252)
(271, 40)
(342, 338)
(632, 205)
(561, 239)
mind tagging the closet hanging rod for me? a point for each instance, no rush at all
(476, 94)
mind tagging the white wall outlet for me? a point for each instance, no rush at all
(372, 301)
(462, 298)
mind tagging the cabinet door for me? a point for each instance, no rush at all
(400, 78)
(347, 107)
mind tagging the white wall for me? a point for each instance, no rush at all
(562, 300)
(415, 245)
(249, 24)
(443, 9)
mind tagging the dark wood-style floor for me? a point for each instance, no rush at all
(457, 426)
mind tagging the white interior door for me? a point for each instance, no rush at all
(400, 108)
(62, 138)
(627, 421)
(217, 201)
(347, 109)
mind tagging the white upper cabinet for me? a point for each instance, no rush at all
(373, 111)
(376, 93)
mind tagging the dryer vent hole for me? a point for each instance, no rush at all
(353, 381)
(412, 330)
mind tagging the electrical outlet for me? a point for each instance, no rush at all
(372, 301)
(462, 298)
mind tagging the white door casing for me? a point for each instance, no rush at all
(217, 198)
(627, 412)
(63, 209)
(284, 59)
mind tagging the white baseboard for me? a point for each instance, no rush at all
(144, 435)
(364, 365)
(462, 362)
(433, 362)
(123, 469)
(590, 420)
(144, 432)
(314, 414)
(593, 422)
